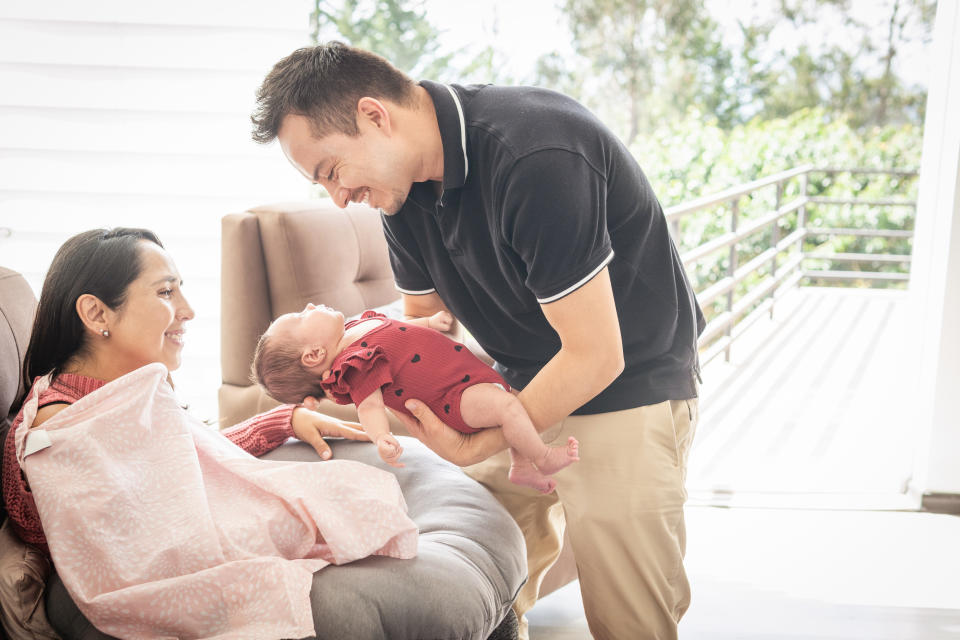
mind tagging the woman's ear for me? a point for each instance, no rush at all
(93, 314)
(313, 356)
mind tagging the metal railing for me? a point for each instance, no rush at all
(746, 292)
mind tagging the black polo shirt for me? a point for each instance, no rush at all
(538, 196)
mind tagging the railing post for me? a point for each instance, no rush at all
(774, 239)
(802, 216)
(675, 230)
(731, 270)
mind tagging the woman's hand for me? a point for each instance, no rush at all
(312, 427)
(459, 448)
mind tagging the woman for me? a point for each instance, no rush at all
(245, 538)
(111, 303)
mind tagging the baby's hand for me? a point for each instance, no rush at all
(441, 321)
(389, 450)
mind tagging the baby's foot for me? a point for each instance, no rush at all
(526, 475)
(557, 458)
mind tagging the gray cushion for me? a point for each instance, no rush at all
(470, 562)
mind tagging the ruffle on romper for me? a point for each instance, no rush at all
(354, 368)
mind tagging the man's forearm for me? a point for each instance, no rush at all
(590, 358)
(565, 383)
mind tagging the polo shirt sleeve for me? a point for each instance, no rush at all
(409, 269)
(555, 219)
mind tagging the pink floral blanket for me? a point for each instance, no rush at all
(162, 528)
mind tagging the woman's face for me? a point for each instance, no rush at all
(149, 326)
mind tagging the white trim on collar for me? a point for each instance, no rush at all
(463, 128)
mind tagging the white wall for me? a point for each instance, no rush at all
(137, 114)
(935, 274)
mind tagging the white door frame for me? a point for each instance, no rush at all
(935, 278)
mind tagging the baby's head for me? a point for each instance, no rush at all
(296, 351)
(278, 368)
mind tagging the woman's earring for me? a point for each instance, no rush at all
(105, 333)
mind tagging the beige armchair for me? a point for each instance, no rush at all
(277, 258)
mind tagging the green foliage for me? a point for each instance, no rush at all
(401, 32)
(640, 59)
(704, 109)
(645, 62)
(398, 30)
(856, 75)
(693, 157)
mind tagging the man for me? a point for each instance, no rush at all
(521, 213)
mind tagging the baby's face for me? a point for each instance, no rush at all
(316, 325)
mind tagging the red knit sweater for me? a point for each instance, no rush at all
(256, 436)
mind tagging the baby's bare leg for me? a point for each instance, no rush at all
(488, 405)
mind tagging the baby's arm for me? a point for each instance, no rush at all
(373, 417)
(441, 321)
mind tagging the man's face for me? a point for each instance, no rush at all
(367, 168)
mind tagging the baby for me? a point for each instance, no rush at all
(377, 362)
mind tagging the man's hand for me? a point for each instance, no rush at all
(459, 448)
(441, 321)
(312, 427)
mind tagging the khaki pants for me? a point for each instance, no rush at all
(623, 504)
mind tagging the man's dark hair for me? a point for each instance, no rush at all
(325, 83)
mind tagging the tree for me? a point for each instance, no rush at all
(645, 60)
(398, 30)
(855, 74)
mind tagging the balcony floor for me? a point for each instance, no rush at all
(803, 574)
(813, 407)
(804, 442)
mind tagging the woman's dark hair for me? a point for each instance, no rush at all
(101, 262)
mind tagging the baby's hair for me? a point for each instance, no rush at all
(278, 369)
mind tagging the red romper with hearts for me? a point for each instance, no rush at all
(407, 361)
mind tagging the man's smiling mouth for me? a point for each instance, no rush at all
(363, 197)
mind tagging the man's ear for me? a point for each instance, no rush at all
(313, 356)
(94, 314)
(374, 112)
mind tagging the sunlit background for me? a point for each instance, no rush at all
(136, 114)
